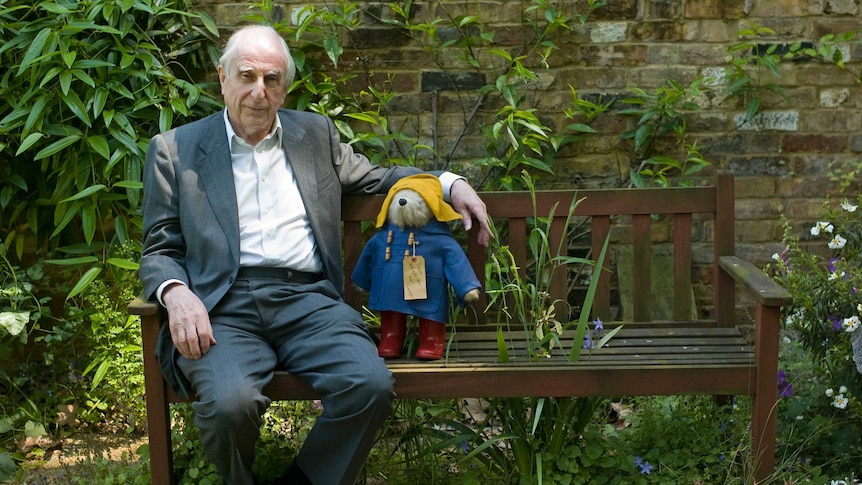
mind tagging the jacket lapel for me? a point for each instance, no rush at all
(216, 175)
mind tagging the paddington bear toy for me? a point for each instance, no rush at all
(407, 264)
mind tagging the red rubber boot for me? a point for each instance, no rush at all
(432, 340)
(393, 328)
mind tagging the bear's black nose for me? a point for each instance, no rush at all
(402, 201)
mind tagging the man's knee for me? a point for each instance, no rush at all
(235, 409)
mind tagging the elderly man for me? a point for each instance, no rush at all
(242, 247)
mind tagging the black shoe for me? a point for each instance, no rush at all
(294, 476)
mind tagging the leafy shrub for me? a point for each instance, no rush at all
(824, 274)
(86, 84)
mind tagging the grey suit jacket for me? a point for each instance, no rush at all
(191, 226)
(190, 217)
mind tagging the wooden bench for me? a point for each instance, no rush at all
(680, 355)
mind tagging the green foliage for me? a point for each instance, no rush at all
(660, 114)
(87, 83)
(661, 436)
(823, 275)
(114, 353)
(21, 308)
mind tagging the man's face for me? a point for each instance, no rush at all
(254, 89)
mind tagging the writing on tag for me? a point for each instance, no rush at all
(414, 278)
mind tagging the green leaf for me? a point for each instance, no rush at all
(502, 348)
(86, 192)
(73, 261)
(35, 49)
(84, 282)
(100, 373)
(333, 48)
(124, 263)
(56, 147)
(74, 103)
(100, 145)
(36, 113)
(28, 142)
(88, 222)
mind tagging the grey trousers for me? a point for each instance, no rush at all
(263, 325)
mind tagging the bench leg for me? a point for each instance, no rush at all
(158, 408)
(763, 419)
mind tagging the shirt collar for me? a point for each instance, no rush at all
(232, 136)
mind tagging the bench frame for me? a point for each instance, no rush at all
(468, 372)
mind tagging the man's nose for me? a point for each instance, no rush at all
(258, 91)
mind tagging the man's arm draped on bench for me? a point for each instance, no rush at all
(242, 246)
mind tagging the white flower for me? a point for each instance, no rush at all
(835, 275)
(846, 205)
(829, 392)
(842, 389)
(822, 226)
(837, 242)
(840, 401)
(776, 257)
(850, 325)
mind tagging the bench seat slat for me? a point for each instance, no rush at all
(532, 380)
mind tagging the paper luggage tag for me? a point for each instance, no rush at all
(414, 278)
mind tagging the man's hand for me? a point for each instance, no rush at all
(466, 201)
(188, 321)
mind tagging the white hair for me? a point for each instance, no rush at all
(230, 49)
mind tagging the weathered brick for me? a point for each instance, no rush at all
(807, 209)
(815, 143)
(617, 10)
(754, 187)
(758, 166)
(665, 30)
(712, 30)
(756, 209)
(760, 230)
(614, 54)
(370, 38)
(832, 121)
(664, 9)
(715, 9)
(451, 81)
(840, 7)
(785, 8)
(608, 32)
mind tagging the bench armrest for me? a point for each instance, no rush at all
(140, 306)
(757, 283)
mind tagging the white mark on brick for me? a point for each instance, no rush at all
(768, 121)
(607, 33)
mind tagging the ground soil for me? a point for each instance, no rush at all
(73, 455)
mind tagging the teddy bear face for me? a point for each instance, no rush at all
(408, 209)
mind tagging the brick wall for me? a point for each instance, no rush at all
(782, 162)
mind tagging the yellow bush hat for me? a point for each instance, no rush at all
(429, 187)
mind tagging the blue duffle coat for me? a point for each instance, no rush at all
(445, 262)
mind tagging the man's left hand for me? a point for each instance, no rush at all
(466, 201)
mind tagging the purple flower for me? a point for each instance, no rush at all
(598, 324)
(644, 466)
(836, 323)
(785, 388)
(588, 341)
